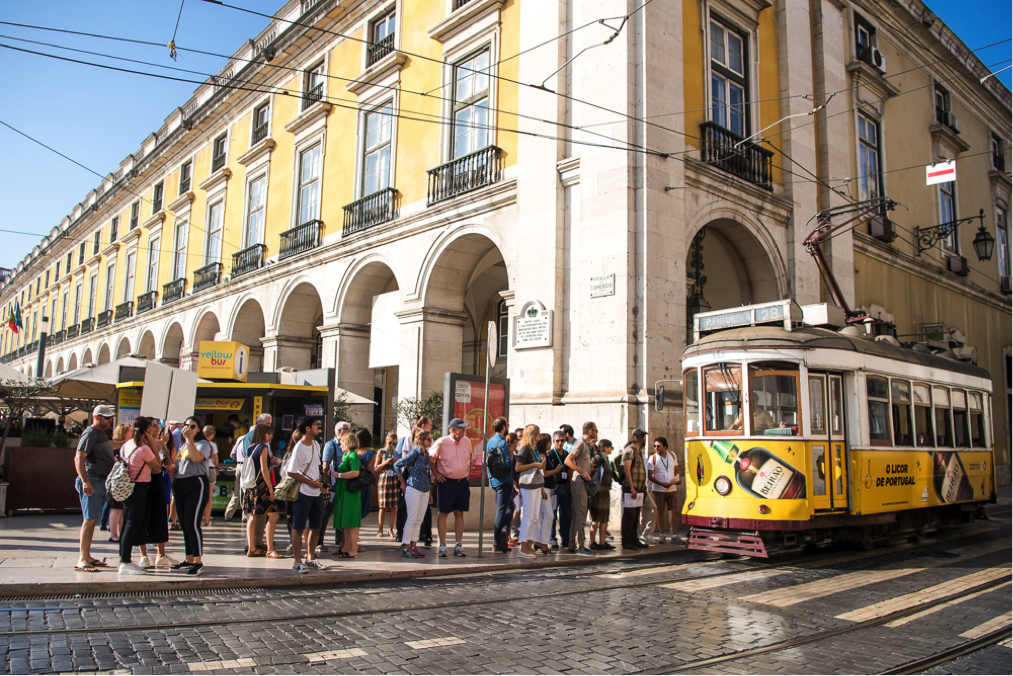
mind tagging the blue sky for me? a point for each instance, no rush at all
(98, 117)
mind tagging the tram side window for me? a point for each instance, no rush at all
(879, 400)
(923, 415)
(723, 397)
(941, 405)
(774, 398)
(691, 397)
(817, 406)
(900, 403)
(961, 438)
(977, 418)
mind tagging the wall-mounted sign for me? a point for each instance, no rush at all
(219, 404)
(603, 285)
(223, 360)
(532, 327)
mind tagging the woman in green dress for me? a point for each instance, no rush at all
(348, 505)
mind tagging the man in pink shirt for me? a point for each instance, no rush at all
(451, 456)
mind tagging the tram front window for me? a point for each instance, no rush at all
(723, 397)
(774, 398)
(691, 397)
(900, 393)
(923, 415)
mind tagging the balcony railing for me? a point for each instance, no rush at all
(146, 301)
(458, 4)
(104, 319)
(259, 133)
(378, 50)
(218, 162)
(249, 259)
(299, 239)
(57, 337)
(207, 276)
(464, 174)
(73, 331)
(312, 96)
(748, 161)
(124, 311)
(87, 325)
(174, 290)
(184, 186)
(370, 210)
(1004, 284)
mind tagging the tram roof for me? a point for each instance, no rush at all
(812, 338)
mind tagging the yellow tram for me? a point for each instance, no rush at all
(797, 433)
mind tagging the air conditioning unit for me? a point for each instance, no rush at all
(881, 228)
(958, 266)
(878, 60)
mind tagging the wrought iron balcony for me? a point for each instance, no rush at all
(249, 259)
(458, 4)
(259, 133)
(464, 174)
(218, 162)
(57, 338)
(312, 96)
(174, 290)
(146, 301)
(370, 210)
(378, 50)
(748, 161)
(124, 311)
(300, 238)
(87, 325)
(184, 186)
(1004, 284)
(207, 276)
(73, 331)
(104, 319)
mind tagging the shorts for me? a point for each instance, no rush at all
(453, 495)
(665, 499)
(307, 511)
(91, 505)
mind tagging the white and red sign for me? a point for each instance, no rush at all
(944, 172)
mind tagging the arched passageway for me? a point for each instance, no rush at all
(172, 345)
(249, 329)
(72, 364)
(298, 343)
(146, 348)
(103, 355)
(123, 349)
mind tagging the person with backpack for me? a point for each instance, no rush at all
(258, 492)
(414, 470)
(600, 505)
(139, 464)
(499, 466)
(663, 471)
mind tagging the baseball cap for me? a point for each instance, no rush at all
(639, 433)
(104, 410)
(457, 422)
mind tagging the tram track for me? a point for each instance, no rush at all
(944, 656)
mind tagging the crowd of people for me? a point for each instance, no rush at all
(547, 488)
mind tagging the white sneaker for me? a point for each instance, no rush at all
(165, 561)
(144, 562)
(130, 569)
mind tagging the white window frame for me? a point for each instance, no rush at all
(364, 150)
(317, 142)
(78, 298)
(248, 212)
(863, 193)
(179, 250)
(153, 252)
(729, 27)
(211, 256)
(186, 164)
(110, 286)
(308, 76)
(951, 243)
(129, 276)
(1002, 243)
(264, 104)
(92, 294)
(483, 33)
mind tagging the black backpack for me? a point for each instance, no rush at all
(497, 463)
(619, 471)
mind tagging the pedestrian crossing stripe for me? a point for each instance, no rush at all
(434, 643)
(994, 624)
(221, 664)
(935, 609)
(724, 580)
(657, 570)
(1008, 643)
(927, 595)
(335, 655)
(808, 591)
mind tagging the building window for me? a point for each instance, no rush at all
(308, 208)
(92, 294)
(135, 215)
(1002, 242)
(179, 252)
(998, 155)
(865, 36)
(38, 285)
(471, 104)
(110, 280)
(948, 214)
(52, 316)
(128, 279)
(47, 279)
(153, 265)
(256, 202)
(944, 114)
(728, 78)
(218, 152)
(870, 177)
(95, 246)
(376, 163)
(213, 250)
(156, 199)
(78, 291)
(63, 310)
(381, 38)
(503, 326)
(70, 261)
(114, 230)
(57, 276)
(80, 259)
(313, 85)
(185, 174)
(261, 118)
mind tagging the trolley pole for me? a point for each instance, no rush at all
(491, 347)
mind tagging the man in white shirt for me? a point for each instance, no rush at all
(303, 465)
(663, 480)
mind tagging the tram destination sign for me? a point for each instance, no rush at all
(783, 312)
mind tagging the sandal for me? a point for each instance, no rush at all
(86, 569)
(256, 552)
(274, 555)
(379, 534)
(99, 564)
(343, 555)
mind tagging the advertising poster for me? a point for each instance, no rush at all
(890, 480)
(464, 398)
(129, 405)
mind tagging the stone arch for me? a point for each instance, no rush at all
(172, 344)
(87, 357)
(146, 345)
(29, 374)
(49, 369)
(103, 354)
(297, 343)
(205, 328)
(248, 327)
(59, 367)
(476, 236)
(123, 349)
(351, 277)
(72, 362)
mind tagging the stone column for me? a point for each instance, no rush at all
(346, 349)
(292, 351)
(431, 342)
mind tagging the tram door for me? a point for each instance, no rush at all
(827, 460)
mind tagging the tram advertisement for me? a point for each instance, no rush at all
(897, 479)
(761, 469)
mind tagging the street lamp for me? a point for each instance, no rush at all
(983, 242)
(43, 335)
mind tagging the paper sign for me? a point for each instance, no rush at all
(943, 172)
(462, 392)
(169, 393)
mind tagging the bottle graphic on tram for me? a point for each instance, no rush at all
(761, 473)
(728, 451)
(950, 478)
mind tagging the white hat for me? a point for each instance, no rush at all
(104, 410)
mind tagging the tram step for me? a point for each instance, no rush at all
(747, 543)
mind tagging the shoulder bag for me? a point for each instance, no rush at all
(361, 482)
(287, 489)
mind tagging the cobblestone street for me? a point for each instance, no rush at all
(837, 610)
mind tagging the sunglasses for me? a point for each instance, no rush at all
(658, 446)
(192, 427)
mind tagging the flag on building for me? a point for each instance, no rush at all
(17, 317)
(12, 322)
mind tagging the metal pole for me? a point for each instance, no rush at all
(43, 336)
(485, 455)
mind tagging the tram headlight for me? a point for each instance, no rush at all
(723, 485)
